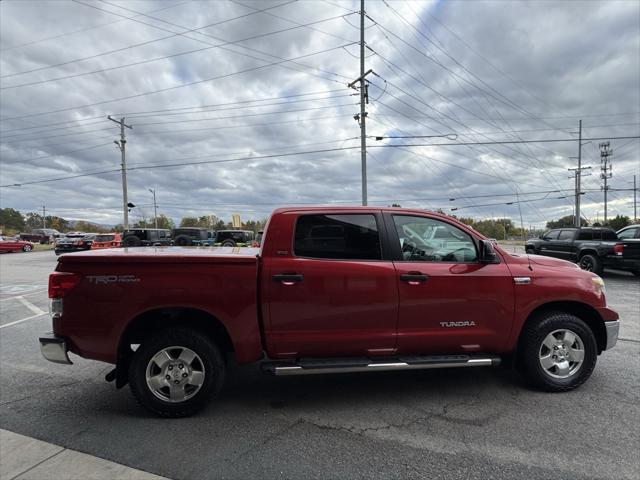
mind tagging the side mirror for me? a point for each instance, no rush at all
(487, 253)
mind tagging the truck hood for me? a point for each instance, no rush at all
(551, 262)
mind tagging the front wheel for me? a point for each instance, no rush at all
(175, 372)
(27, 248)
(557, 352)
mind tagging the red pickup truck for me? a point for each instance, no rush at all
(330, 290)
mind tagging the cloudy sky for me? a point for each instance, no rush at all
(240, 106)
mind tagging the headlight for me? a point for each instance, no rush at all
(599, 283)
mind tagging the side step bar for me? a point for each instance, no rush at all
(354, 365)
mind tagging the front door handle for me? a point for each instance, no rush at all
(288, 278)
(414, 278)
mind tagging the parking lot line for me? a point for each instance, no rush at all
(23, 295)
(22, 320)
(34, 308)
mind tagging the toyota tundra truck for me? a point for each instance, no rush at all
(330, 290)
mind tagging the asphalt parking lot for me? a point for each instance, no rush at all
(460, 423)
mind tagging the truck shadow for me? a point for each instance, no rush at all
(250, 388)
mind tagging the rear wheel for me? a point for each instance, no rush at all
(182, 241)
(175, 372)
(557, 352)
(590, 263)
(229, 243)
(131, 241)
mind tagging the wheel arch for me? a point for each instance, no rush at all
(583, 311)
(587, 251)
(146, 323)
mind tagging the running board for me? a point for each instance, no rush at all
(354, 365)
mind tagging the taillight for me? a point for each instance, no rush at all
(618, 249)
(61, 283)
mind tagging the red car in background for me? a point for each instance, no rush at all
(12, 244)
(107, 240)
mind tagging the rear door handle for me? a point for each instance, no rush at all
(414, 278)
(288, 278)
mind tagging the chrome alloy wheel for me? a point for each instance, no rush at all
(175, 374)
(561, 353)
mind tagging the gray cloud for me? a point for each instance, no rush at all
(537, 67)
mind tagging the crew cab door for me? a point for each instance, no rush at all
(330, 292)
(449, 301)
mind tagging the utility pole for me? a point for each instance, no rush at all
(364, 99)
(577, 174)
(123, 165)
(44, 216)
(635, 205)
(155, 206)
(605, 168)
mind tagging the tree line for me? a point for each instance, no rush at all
(13, 221)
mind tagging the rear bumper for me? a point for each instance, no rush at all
(54, 349)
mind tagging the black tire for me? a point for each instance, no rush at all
(209, 359)
(591, 263)
(229, 243)
(636, 272)
(532, 349)
(182, 241)
(27, 248)
(131, 241)
(530, 251)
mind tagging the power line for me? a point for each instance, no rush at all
(150, 60)
(501, 142)
(55, 37)
(181, 164)
(188, 84)
(65, 153)
(139, 14)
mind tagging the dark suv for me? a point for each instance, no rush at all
(144, 237)
(186, 236)
(234, 238)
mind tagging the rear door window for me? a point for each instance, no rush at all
(566, 235)
(344, 237)
(609, 235)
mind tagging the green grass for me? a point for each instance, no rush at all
(37, 247)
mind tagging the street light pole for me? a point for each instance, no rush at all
(155, 206)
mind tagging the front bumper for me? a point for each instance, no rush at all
(612, 329)
(54, 349)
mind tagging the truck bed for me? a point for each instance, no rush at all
(122, 285)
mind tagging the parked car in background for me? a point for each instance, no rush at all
(13, 244)
(593, 249)
(234, 238)
(186, 236)
(106, 240)
(41, 235)
(256, 243)
(74, 243)
(145, 237)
